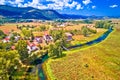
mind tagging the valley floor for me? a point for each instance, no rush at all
(97, 62)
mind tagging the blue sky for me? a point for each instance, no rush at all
(82, 7)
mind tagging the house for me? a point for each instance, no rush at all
(6, 32)
(48, 38)
(69, 36)
(13, 47)
(32, 47)
(38, 39)
(7, 39)
(61, 25)
(17, 38)
(90, 26)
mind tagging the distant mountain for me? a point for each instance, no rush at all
(33, 13)
(29, 13)
(72, 16)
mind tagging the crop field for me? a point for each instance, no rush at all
(8, 27)
(97, 62)
(13, 26)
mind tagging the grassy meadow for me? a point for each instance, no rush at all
(97, 62)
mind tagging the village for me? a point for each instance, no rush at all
(59, 40)
(31, 43)
(39, 37)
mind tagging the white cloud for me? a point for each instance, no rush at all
(113, 6)
(18, 1)
(79, 7)
(35, 2)
(73, 4)
(35, 5)
(61, 4)
(93, 7)
(86, 2)
(20, 5)
(2, 2)
(56, 4)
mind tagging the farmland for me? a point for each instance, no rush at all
(32, 41)
(98, 62)
(13, 26)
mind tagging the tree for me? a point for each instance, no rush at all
(15, 34)
(107, 25)
(85, 31)
(59, 49)
(9, 63)
(2, 35)
(92, 30)
(103, 24)
(51, 50)
(99, 24)
(6, 46)
(22, 50)
(88, 21)
(27, 33)
(43, 28)
(57, 35)
(55, 50)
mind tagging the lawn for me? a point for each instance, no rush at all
(97, 62)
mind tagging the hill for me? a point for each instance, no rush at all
(29, 13)
(45, 14)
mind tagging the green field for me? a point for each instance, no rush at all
(97, 62)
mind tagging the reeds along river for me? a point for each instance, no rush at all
(41, 73)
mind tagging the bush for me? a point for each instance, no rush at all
(85, 31)
(44, 28)
(103, 24)
(2, 35)
(75, 32)
(93, 31)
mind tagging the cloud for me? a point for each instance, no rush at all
(73, 4)
(61, 4)
(45, 4)
(15, 3)
(35, 2)
(19, 1)
(93, 7)
(79, 7)
(35, 5)
(2, 2)
(113, 6)
(86, 2)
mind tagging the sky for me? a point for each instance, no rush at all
(78, 7)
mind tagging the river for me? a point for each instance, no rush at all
(41, 73)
